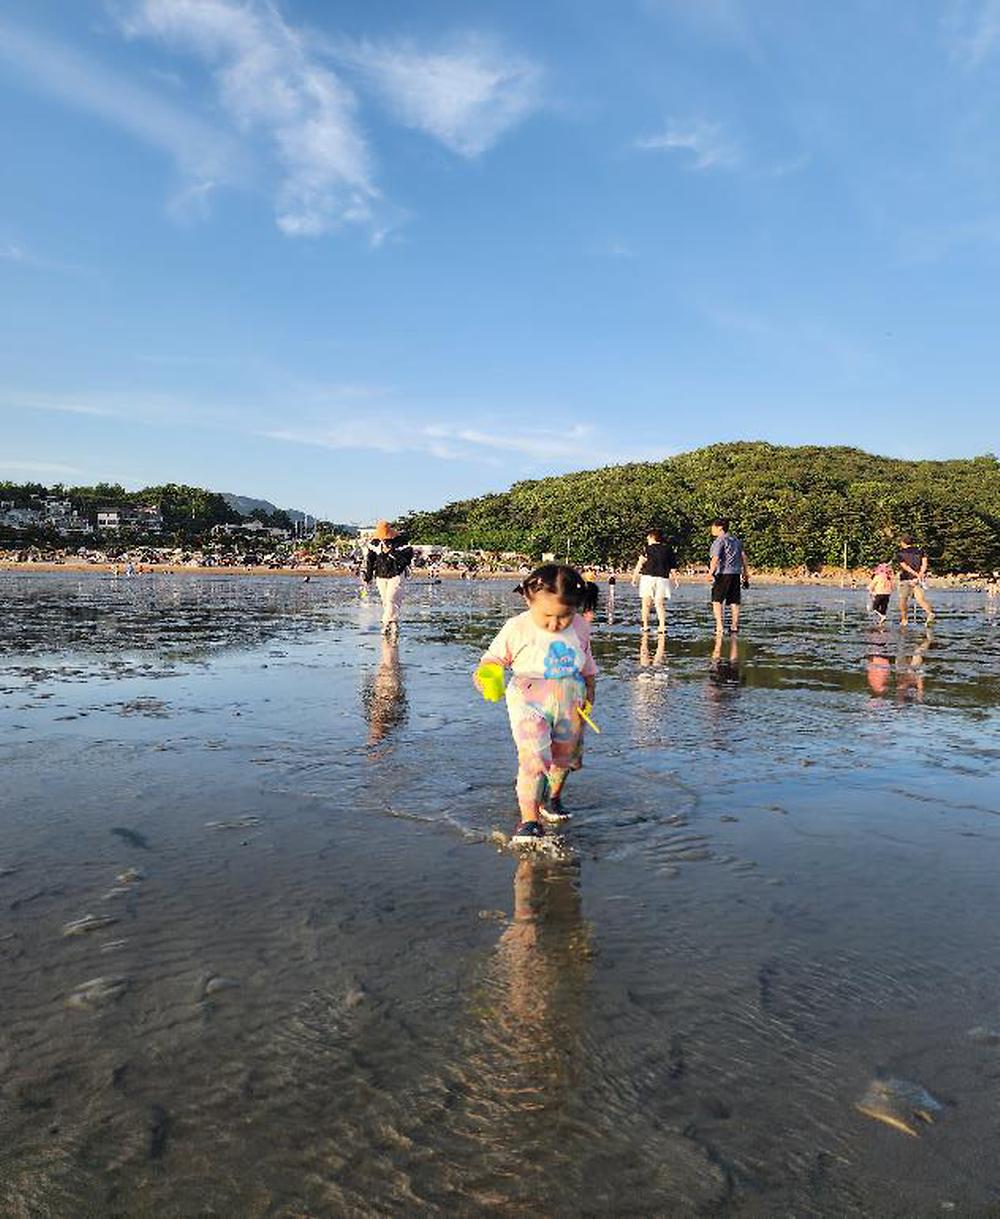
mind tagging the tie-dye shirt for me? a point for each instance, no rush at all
(530, 651)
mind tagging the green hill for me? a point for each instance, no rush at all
(794, 507)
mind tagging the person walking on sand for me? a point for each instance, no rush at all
(912, 563)
(387, 561)
(547, 650)
(652, 573)
(727, 573)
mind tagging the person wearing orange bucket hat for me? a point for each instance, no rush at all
(387, 562)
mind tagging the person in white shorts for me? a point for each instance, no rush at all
(652, 573)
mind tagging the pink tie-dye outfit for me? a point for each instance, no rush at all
(543, 695)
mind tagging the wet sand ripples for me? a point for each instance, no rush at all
(781, 891)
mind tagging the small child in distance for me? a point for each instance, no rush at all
(880, 589)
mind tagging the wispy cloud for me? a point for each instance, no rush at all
(973, 30)
(38, 467)
(446, 441)
(706, 142)
(270, 82)
(355, 416)
(574, 446)
(198, 149)
(12, 252)
(36, 402)
(467, 96)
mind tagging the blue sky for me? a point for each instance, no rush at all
(357, 257)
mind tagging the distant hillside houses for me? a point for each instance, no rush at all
(143, 518)
(54, 514)
(251, 528)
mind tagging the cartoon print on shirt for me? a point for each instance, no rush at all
(560, 660)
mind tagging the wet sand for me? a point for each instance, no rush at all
(327, 992)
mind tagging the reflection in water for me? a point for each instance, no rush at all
(878, 663)
(649, 688)
(384, 695)
(910, 668)
(645, 658)
(526, 1050)
(725, 670)
(724, 681)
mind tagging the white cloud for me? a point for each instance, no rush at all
(974, 30)
(37, 467)
(706, 142)
(269, 82)
(467, 97)
(575, 446)
(197, 147)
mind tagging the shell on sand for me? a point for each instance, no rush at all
(89, 922)
(900, 1104)
(98, 991)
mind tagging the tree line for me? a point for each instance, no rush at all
(794, 508)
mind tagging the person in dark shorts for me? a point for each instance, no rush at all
(912, 564)
(728, 573)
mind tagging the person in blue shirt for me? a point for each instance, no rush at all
(728, 573)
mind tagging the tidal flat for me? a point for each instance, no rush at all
(261, 956)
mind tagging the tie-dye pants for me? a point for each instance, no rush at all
(548, 734)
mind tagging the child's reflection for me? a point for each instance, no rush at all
(383, 694)
(529, 1046)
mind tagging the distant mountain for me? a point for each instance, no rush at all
(245, 504)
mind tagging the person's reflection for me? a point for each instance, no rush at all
(542, 962)
(649, 690)
(878, 665)
(722, 685)
(725, 670)
(653, 660)
(522, 1053)
(910, 670)
(383, 694)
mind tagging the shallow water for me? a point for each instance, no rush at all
(782, 887)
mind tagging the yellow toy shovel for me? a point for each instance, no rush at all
(584, 714)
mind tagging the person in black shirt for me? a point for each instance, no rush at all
(652, 573)
(912, 564)
(387, 561)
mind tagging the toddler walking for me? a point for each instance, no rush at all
(880, 589)
(547, 650)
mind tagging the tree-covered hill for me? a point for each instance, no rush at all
(794, 507)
